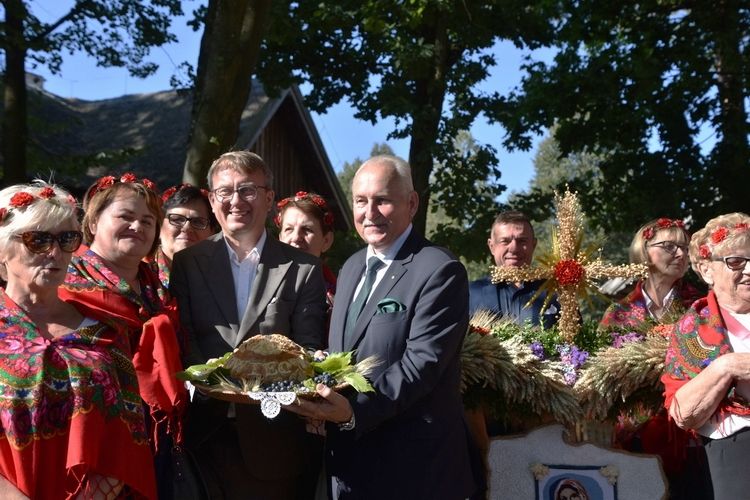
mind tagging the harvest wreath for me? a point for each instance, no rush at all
(273, 370)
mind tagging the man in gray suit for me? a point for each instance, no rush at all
(236, 284)
(407, 440)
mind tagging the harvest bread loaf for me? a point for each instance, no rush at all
(269, 358)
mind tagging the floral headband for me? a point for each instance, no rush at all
(168, 193)
(23, 199)
(108, 181)
(302, 196)
(717, 236)
(662, 223)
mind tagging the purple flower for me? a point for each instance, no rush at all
(570, 377)
(537, 349)
(619, 339)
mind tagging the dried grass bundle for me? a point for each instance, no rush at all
(610, 380)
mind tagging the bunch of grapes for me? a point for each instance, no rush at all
(282, 386)
(325, 378)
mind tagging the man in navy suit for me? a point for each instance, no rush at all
(512, 243)
(407, 440)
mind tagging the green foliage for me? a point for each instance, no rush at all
(118, 33)
(418, 62)
(588, 337)
(657, 90)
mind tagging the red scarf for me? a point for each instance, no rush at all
(152, 325)
(700, 338)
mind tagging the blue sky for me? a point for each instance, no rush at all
(344, 137)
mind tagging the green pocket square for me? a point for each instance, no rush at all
(388, 305)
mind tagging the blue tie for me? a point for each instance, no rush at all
(373, 265)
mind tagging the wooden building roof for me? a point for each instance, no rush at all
(147, 134)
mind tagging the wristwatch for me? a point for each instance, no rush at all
(348, 426)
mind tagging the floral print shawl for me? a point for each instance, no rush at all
(61, 397)
(152, 323)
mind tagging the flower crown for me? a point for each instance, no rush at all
(303, 196)
(108, 181)
(169, 192)
(23, 199)
(662, 223)
(717, 236)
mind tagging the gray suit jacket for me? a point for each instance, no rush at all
(287, 297)
(410, 441)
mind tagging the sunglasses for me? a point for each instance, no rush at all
(42, 241)
(178, 220)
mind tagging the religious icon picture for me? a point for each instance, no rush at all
(575, 482)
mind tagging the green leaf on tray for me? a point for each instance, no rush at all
(358, 381)
(200, 373)
(334, 363)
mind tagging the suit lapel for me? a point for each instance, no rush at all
(272, 269)
(217, 274)
(346, 285)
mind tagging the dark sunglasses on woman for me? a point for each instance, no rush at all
(42, 241)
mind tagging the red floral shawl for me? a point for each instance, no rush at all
(700, 338)
(631, 312)
(152, 324)
(69, 406)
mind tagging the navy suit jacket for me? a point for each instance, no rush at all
(410, 440)
(510, 301)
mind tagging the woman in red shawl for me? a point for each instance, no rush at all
(71, 415)
(707, 367)
(661, 244)
(111, 281)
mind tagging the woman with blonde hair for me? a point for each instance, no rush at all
(70, 409)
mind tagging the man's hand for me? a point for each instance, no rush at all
(331, 406)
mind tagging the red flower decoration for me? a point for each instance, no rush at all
(679, 223)
(328, 219)
(664, 223)
(742, 226)
(704, 252)
(105, 182)
(128, 177)
(167, 194)
(319, 202)
(21, 199)
(299, 195)
(719, 235)
(149, 184)
(569, 272)
(47, 193)
(72, 200)
(280, 205)
(479, 330)
(277, 220)
(648, 233)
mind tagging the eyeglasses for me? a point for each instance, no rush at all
(733, 262)
(42, 241)
(178, 220)
(248, 192)
(670, 247)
